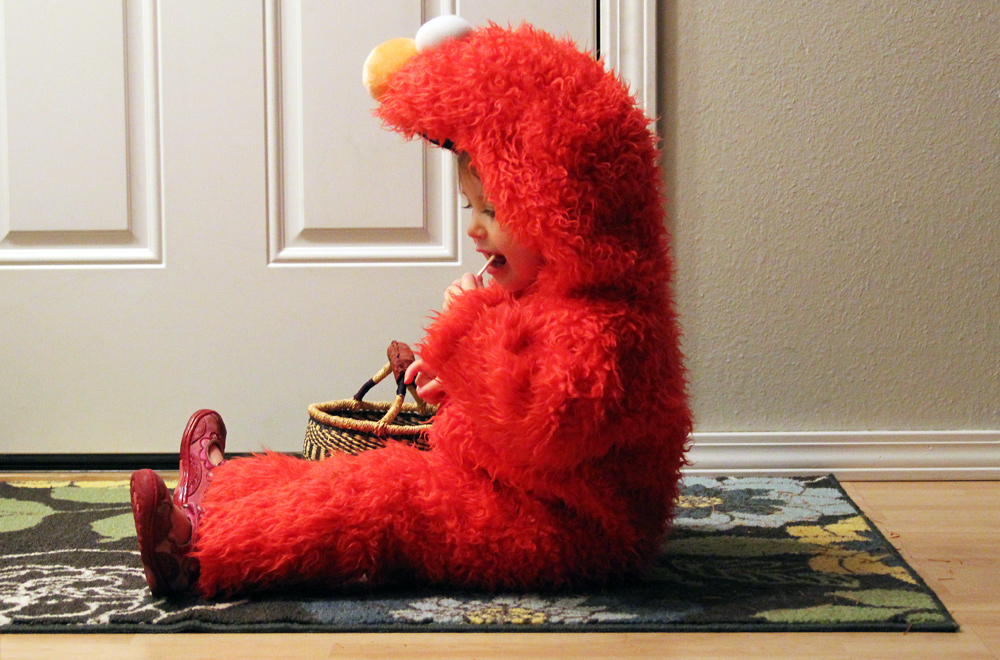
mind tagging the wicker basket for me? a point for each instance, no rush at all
(353, 425)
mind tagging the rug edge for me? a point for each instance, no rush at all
(918, 579)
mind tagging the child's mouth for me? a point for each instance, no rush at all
(494, 262)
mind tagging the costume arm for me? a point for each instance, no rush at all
(530, 386)
(450, 327)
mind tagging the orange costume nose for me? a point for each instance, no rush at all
(389, 56)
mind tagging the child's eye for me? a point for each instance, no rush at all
(491, 212)
(467, 205)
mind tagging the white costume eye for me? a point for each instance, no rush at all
(438, 30)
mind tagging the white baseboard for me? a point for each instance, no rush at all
(851, 455)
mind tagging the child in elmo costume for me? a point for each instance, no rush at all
(557, 447)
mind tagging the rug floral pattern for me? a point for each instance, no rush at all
(747, 553)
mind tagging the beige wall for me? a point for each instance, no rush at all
(834, 169)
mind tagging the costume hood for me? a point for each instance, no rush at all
(565, 154)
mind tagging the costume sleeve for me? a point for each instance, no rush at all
(449, 328)
(528, 386)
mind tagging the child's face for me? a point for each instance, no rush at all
(516, 265)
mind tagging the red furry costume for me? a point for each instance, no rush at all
(557, 451)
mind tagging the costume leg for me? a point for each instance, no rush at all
(263, 471)
(275, 520)
(382, 515)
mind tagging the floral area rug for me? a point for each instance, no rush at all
(746, 554)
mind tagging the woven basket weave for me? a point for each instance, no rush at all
(353, 425)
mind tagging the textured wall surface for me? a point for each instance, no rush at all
(834, 169)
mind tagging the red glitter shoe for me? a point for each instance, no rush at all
(205, 431)
(165, 534)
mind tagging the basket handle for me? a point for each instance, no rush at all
(400, 358)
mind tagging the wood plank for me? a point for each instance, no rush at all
(593, 646)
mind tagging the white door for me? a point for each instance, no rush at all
(198, 210)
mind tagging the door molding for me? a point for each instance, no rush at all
(628, 45)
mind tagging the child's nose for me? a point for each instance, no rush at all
(476, 227)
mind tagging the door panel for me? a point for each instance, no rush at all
(347, 192)
(64, 96)
(79, 158)
(575, 19)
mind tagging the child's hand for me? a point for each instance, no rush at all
(467, 282)
(428, 386)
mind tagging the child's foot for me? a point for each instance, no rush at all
(203, 447)
(165, 534)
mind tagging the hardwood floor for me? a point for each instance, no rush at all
(948, 531)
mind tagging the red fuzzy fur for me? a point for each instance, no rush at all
(557, 451)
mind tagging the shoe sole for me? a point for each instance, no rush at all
(147, 491)
(184, 494)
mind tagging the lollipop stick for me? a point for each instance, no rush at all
(486, 265)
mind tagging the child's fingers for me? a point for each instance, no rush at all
(418, 374)
(431, 391)
(467, 282)
(412, 371)
(450, 294)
